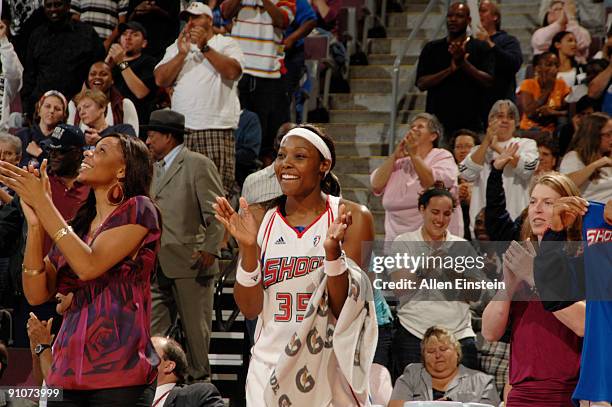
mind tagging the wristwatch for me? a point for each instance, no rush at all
(123, 65)
(205, 49)
(41, 347)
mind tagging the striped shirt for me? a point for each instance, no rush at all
(259, 39)
(102, 15)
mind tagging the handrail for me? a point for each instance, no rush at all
(395, 91)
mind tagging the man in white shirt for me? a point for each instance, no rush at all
(11, 76)
(171, 372)
(203, 68)
(503, 121)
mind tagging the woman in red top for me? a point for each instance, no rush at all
(544, 347)
(103, 353)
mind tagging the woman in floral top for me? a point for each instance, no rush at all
(103, 354)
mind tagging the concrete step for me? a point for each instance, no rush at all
(365, 197)
(394, 45)
(376, 102)
(361, 132)
(353, 180)
(358, 165)
(364, 116)
(389, 59)
(352, 149)
(530, 8)
(378, 71)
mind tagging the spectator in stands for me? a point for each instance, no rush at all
(59, 55)
(11, 221)
(132, 70)
(10, 75)
(599, 89)
(563, 45)
(561, 17)
(262, 186)
(160, 20)
(415, 164)
(65, 152)
(111, 250)
(204, 68)
(537, 378)
(305, 21)
(591, 13)
(41, 338)
(463, 141)
(51, 110)
(10, 151)
(5, 399)
(25, 16)
(458, 67)
(185, 185)
(104, 16)
(549, 154)
(92, 105)
(503, 120)
(248, 144)
(119, 109)
(506, 50)
(441, 376)
(589, 162)
(171, 373)
(417, 312)
(606, 50)
(542, 99)
(261, 88)
(584, 107)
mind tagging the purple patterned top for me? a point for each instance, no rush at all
(105, 339)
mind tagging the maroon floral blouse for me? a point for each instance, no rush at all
(105, 340)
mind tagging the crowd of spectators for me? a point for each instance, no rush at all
(486, 161)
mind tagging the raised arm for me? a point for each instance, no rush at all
(167, 71)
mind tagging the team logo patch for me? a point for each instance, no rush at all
(329, 336)
(284, 401)
(316, 240)
(294, 345)
(314, 342)
(304, 381)
(280, 240)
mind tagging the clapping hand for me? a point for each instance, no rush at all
(242, 226)
(519, 260)
(30, 184)
(508, 155)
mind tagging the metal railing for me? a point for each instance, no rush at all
(395, 75)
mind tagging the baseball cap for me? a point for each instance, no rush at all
(133, 25)
(65, 136)
(196, 9)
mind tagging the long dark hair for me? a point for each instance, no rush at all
(138, 175)
(587, 139)
(558, 38)
(329, 184)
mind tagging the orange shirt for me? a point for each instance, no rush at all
(555, 100)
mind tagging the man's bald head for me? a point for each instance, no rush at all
(457, 19)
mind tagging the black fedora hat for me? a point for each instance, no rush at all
(166, 121)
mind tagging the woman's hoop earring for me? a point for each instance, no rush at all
(116, 195)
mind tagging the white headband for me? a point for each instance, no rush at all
(313, 138)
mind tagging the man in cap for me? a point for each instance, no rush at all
(204, 69)
(133, 70)
(184, 187)
(65, 151)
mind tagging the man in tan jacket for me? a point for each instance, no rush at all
(184, 187)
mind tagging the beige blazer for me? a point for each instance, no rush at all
(185, 195)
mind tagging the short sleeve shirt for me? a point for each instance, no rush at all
(104, 341)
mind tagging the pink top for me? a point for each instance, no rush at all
(542, 37)
(401, 194)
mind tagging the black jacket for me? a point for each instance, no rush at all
(194, 395)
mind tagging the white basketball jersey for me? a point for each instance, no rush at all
(288, 258)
